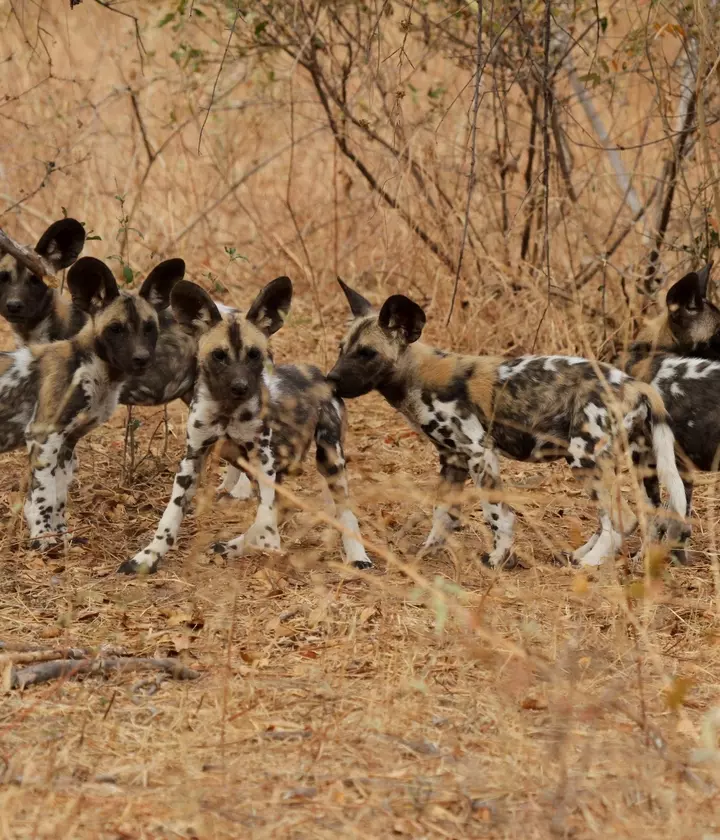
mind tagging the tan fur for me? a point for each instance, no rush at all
(6, 362)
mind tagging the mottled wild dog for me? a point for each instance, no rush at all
(51, 395)
(39, 314)
(679, 353)
(36, 312)
(529, 408)
(269, 415)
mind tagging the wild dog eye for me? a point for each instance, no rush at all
(219, 355)
(148, 326)
(367, 353)
(253, 353)
(4, 276)
(116, 327)
(36, 280)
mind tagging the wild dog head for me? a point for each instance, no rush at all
(25, 297)
(375, 343)
(124, 326)
(232, 354)
(692, 322)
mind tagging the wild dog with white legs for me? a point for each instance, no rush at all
(51, 395)
(38, 313)
(679, 354)
(268, 415)
(535, 408)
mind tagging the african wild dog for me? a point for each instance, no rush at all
(679, 353)
(270, 415)
(528, 408)
(51, 395)
(36, 312)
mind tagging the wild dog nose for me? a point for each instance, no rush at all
(14, 307)
(239, 388)
(140, 360)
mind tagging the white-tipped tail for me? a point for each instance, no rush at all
(664, 448)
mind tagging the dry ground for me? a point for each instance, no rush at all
(334, 704)
(431, 699)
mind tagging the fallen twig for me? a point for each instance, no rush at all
(26, 255)
(52, 670)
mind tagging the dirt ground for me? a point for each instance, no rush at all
(423, 699)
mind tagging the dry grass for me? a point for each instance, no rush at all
(460, 703)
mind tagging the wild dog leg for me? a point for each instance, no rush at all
(597, 472)
(41, 503)
(200, 437)
(453, 475)
(330, 458)
(263, 533)
(485, 472)
(236, 483)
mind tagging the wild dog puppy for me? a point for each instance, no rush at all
(529, 408)
(39, 314)
(270, 415)
(679, 353)
(51, 395)
(36, 312)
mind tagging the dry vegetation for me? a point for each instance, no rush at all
(431, 699)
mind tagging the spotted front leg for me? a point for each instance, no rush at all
(41, 504)
(446, 515)
(263, 533)
(330, 459)
(200, 437)
(500, 519)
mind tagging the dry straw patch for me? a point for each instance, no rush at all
(451, 702)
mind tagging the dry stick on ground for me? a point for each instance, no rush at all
(473, 156)
(26, 255)
(45, 671)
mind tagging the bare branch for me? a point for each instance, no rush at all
(26, 255)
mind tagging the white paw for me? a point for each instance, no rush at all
(263, 537)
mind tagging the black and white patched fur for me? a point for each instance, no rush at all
(267, 415)
(51, 395)
(679, 353)
(535, 408)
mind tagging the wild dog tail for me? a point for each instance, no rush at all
(663, 441)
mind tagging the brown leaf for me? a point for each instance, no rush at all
(533, 704)
(676, 692)
(50, 632)
(180, 642)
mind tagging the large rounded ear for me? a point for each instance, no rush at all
(160, 282)
(690, 291)
(62, 243)
(270, 308)
(193, 307)
(401, 316)
(359, 306)
(91, 284)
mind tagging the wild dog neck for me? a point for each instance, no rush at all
(36, 329)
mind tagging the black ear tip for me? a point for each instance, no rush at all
(88, 264)
(283, 284)
(176, 265)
